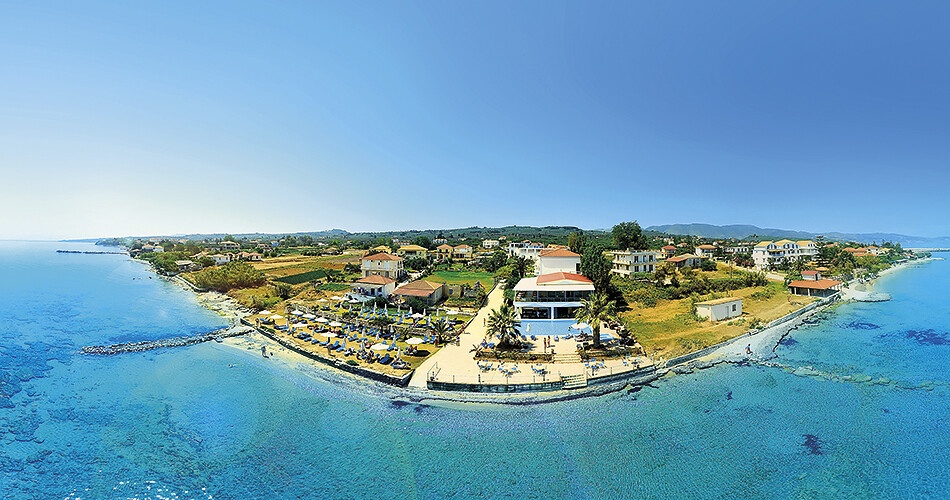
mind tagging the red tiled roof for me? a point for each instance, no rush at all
(681, 258)
(382, 256)
(706, 247)
(547, 278)
(375, 279)
(814, 284)
(669, 247)
(558, 252)
(809, 273)
(444, 246)
(419, 288)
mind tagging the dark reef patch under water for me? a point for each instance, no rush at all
(812, 443)
(928, 337)
(862, 325)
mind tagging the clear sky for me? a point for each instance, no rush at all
(135, 118)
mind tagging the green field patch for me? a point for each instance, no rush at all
(296, 279)
(460, 277)
(333, 287)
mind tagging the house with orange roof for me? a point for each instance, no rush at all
(552, 260)
(705, 251)
(686, 260)
(382, 264)
(444, 251)
(814, 288)
(374, 286)
(426, 291)
(669, 251)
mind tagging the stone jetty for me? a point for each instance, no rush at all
(89, 252)
(231, 331)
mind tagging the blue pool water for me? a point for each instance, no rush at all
(538, 327)
(212, 420)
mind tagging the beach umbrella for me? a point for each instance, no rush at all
(299, 325)
(410, 310)
(416, 316)
(276, 317)
(265, 312)
(335, 324)
(414, 341)
(579, 326)
(379, 347)
(528, 328)
(322, 320)
(322, 300)
(329, 335)
(386, 309)
(297, 312)
(309, 316)
(374, 307)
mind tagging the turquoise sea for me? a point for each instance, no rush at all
(215, 421)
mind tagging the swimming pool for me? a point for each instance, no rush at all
(544, 327)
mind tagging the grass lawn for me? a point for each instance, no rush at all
(460, 277)
(670, 330)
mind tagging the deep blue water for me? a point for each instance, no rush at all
(213, 420)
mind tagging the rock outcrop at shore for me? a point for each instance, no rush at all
(230, 331)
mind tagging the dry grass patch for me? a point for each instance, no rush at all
(670, 329)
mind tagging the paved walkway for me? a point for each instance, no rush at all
(456, 363)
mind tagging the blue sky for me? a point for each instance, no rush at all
(121, 118)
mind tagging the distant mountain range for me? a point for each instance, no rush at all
(742, 231)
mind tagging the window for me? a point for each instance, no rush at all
(733, 308)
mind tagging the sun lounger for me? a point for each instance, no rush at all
(385, 359)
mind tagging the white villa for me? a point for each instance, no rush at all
(374, 286)
(705, 251)
(382, 264)
(558, 290)
(767, 253)
(490, 243)
(627, 262)
(558, 260)
(525, 249)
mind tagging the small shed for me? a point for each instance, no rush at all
(719, 309)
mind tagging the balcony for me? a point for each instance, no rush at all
(551, 296)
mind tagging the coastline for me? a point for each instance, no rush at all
(763, 344)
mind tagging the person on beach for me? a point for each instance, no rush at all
(748, 349)
(264, 351)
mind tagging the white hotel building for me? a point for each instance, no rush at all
(627, 262)
(557, 291)
(767, 253)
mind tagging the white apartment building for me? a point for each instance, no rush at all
(767, 253)
(627, 262)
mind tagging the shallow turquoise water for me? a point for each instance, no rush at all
(211, 420)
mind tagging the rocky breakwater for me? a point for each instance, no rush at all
(148, 345)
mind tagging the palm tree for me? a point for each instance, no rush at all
(596, 309)
(504, 322)
(520, 265)
(440, 328)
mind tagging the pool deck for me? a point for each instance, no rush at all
(456, 364)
